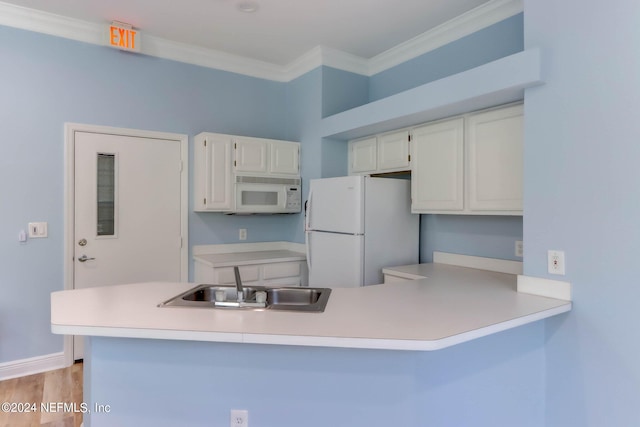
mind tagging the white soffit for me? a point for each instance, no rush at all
(476, 19)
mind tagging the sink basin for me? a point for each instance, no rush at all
(254, 298)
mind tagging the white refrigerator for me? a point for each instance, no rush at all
(356, 226)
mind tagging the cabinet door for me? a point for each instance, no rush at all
(393, 151)
(362, 156)
(437, 174)
(284, 157)
(495, 143)
(251, 155)
(212, 173)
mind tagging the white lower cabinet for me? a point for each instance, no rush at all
(290, 273)
(469, 165)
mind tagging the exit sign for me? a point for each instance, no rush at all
(123, 36)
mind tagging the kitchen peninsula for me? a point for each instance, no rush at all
(192, 357)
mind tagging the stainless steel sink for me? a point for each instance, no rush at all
(254, 298)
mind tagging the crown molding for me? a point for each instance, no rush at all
(476, 19)
(49, 23)
(481, 17)
(323, 55)
(190, 54)
(89, 32)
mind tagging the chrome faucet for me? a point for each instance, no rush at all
(239, 288)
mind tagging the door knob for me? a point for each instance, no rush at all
(85, 258)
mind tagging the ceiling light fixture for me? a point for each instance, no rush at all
(248, 6)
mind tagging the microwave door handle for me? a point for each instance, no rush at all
(283, 205)
(307, 225)
(308, 246)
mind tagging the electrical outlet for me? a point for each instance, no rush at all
(239, 418)
(242, 234)
(519, 248)
(555, 262)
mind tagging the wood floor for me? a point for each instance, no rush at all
(54, 389)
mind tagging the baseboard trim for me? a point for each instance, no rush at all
(32, 365)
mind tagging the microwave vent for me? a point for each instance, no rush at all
(267, 180)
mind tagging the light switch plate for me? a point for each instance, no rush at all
(38, 230)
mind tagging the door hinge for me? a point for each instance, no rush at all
(205, 201)
(234, 163)
(409, 137)
(409, 157)
(205, 142)
(181, 166)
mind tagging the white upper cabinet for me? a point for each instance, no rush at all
(379, 154)
(266, 156)
(212, 172)
(437, 175)
(363, 156)
(393, 151)
(470, 164)
(219, 159)
(494, 146)
(285, 158)
(251, 155)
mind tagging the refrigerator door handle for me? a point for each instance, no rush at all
(308, 245)
(307, 212)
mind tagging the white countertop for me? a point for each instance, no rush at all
(451, 305)
(254, 257)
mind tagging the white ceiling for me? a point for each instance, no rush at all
(279, 32)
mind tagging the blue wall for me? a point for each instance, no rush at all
(491, 43)
(488, 236)
(581, 195)
(169, 383)
(47, 81)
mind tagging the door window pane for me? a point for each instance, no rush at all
(106, 194)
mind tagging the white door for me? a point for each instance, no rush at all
(127, 211)
(336, 204)
(335, 260)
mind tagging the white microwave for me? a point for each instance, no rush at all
(255, 194)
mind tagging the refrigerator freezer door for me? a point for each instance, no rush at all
(335, 260)
(336, 204)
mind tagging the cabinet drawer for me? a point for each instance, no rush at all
(281, 269)
(248, 273)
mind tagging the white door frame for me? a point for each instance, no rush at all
(69, 200)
